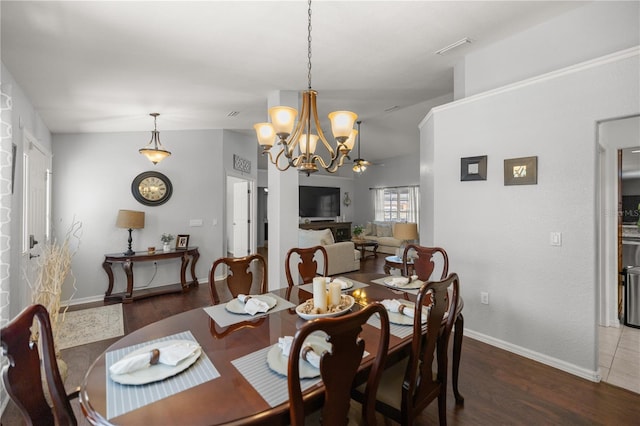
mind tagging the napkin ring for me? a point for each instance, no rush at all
(401, 308)
(305, 350)
(155, 356)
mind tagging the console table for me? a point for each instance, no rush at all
(341, 230)
(187, 255)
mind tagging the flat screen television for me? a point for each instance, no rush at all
(319, 201)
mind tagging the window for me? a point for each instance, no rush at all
(397, 204)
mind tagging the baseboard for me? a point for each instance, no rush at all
(593, 376)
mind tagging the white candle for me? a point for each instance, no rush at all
(320, 294)
(334, 293)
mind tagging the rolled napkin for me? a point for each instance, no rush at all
(343, 284)
(393, 305)
(252, 305)
(306, 353)
(398, 281)
(168, 355)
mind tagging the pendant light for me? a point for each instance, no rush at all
(360, 164)
(154, 150)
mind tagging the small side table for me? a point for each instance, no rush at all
(396, 263)
(362, 245)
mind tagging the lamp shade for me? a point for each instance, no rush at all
(405, 231)
(130, 219)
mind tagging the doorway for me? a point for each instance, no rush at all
(36, 209)
(240, 217)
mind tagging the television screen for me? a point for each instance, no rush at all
(319, 201)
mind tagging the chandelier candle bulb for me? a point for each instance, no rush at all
(320, 294)
(335, 291)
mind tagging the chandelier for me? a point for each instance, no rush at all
(300, 135)
(154, 150)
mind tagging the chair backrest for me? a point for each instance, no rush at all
(423, 263)
(22, 376)
(420, 387)
(307, 265)
(338, 368)
(240, 272)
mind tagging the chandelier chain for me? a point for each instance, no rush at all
(309, 47)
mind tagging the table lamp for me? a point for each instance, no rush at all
(407, 232)
(130, 219)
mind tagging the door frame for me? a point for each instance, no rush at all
(252, 213)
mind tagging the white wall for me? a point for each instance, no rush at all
(92, 181)
(590, 31)
(542, 298)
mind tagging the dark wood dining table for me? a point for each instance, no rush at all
(229, 398)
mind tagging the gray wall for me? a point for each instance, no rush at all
(92, 181)
(542, 297)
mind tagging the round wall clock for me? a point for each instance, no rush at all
(151, 188)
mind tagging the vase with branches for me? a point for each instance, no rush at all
(166, 240)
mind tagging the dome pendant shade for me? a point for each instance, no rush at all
(154, 150)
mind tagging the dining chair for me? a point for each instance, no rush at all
(424, 265)
(239, 275)
(408, 387)
(307, 264)
(338, 367)
(22, 375)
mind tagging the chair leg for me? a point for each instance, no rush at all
(457, 349)
(442, 407)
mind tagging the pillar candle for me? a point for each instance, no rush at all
(335, 291)
(320, 294)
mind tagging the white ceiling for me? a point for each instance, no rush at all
(104, 66)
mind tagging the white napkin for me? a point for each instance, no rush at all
(252, 305)
(397, 281)
(309, 355)
(169, 355)
(343, 284)
(393, 305)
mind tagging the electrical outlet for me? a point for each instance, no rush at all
(484, 297)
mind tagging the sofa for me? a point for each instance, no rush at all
(343, 256)
(382, 233)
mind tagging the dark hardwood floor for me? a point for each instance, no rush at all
(500, 388)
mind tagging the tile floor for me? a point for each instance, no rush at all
(619, 350)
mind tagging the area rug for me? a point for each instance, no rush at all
(90, 325)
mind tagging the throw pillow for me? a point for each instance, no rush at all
(370, 229)
(326, 237)
(383, 230)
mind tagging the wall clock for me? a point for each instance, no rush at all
(151, 188)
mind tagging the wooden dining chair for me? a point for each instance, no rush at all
(22, 375)
(424, 261)
(307, 265)
(240, 275)
(409, 386)
(338, 367)
(424, 265)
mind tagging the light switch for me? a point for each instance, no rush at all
(195, 222)
(556, 238)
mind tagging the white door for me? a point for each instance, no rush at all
(36, 229)
(241, 218)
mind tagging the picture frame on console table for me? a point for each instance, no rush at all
(182, 242)
(521, 171)
(473, 168)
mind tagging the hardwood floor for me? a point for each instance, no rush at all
(499, 387)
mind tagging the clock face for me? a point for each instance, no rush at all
(151, 188)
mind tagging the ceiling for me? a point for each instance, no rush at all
(104, 66)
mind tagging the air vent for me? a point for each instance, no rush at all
(391, 108)
(233, 113)
(453, 46)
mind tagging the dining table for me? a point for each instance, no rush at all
(231, 382)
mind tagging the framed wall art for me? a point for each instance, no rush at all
(473, 168)
(521, 171)
(182, 242)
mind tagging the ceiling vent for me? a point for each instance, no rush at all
(233, 113)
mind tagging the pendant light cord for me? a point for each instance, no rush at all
(309, 47)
